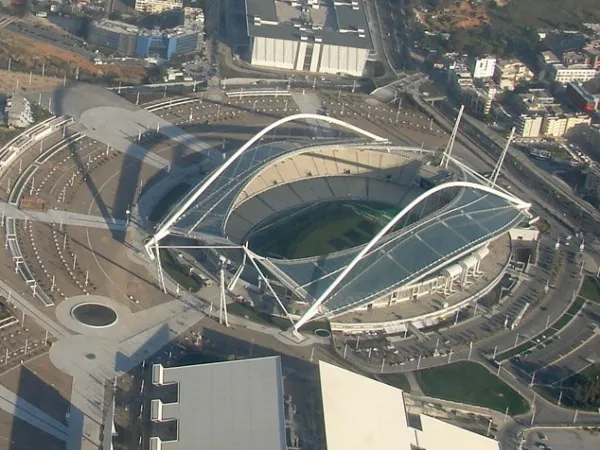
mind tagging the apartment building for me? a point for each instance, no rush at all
(559, 73)
(508, 73)
(157, 6)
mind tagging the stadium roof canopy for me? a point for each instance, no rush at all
(343, 280)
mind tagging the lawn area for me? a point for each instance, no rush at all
(175, 271)
(590, 289)
(397, 380)
(321, 228)
(471, 383)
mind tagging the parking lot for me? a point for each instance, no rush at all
(563, 439)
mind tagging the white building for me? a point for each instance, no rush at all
(559, 124)
(484, 67)
(508, 73)
(314, 36)
(157, 6)
(530, 125)
(559, 73)
(18, 112)
(248, 404)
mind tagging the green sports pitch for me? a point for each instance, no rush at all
(320, 228)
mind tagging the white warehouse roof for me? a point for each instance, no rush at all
(230, 405)
(238, 405)
(363, 413)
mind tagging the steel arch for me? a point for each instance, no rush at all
(163, 230)
(310, 313)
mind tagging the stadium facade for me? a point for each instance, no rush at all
(446, 217)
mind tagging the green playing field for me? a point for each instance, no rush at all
(320, 229)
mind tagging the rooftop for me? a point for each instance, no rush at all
(239, 405)
(116, 26)
(337, 22)
(225, 406)
(384, 423)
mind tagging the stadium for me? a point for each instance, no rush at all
(344, 228)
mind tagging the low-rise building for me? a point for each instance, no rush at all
(157, 6)
(580, 98)
(459, 76)
(542, 115)
(118, 36)
(534, 100)
(530, 125)
(559, 73)
(18, 112)
(593, 52)
(548, 58)
(558, 123)
(483, 67)
(508, 73)
(575, 58)
(130, 40)
(478, 99)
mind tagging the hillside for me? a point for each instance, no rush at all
(30, 55)
(498, 27)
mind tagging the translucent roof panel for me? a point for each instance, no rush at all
(472, 219)
(209, 212)
(213, 205)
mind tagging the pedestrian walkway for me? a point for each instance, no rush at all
(63, 217)
(415, 388)
(310, 103)
(30, 310)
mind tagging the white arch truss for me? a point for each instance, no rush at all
(310, 313)
(163, 231)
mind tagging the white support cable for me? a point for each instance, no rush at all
(161, 277)
(201, 247)
(498, 166)
(222, 297)
(238, 274)
(163, 229)
(448, 151)
(407, 209)
(262, 275)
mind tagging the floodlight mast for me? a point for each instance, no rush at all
(164, 228)
(310, 313)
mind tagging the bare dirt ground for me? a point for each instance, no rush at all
(10, 80)
(31, 55)
(461, 15)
